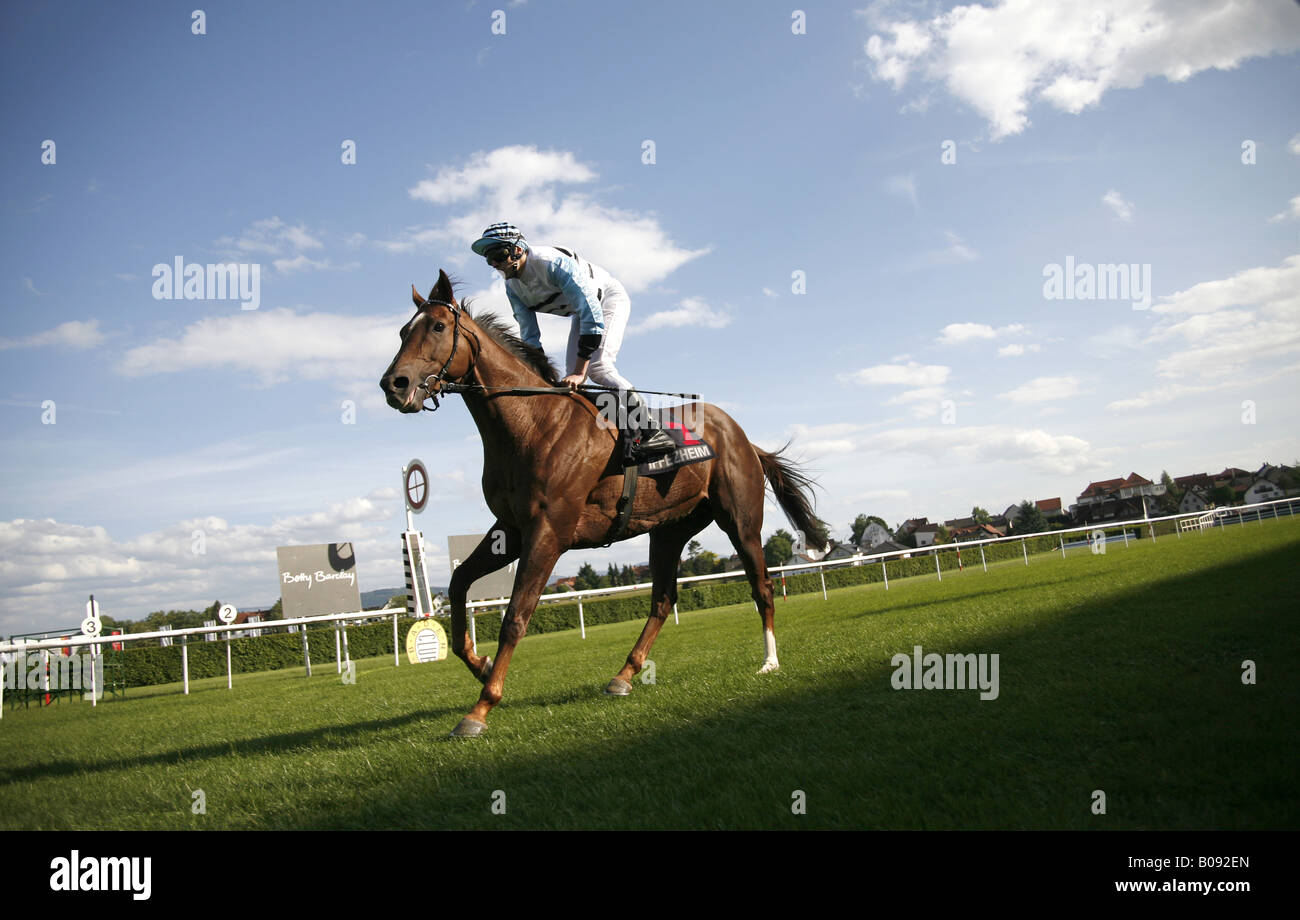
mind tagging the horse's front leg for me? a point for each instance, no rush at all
(497, 549)
(540, 552)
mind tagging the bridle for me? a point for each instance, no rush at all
(440, 379)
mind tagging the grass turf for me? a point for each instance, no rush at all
(1118, 672)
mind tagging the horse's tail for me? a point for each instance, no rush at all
(794, 494)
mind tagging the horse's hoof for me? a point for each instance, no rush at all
(468, 728)
(618, 687)
(769, 666)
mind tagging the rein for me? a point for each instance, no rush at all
(448, 386)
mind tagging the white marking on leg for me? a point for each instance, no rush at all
(769, 663)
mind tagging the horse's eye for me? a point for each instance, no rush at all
(438, 327)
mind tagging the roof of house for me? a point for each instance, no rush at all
(1114, 485)
(889, 546)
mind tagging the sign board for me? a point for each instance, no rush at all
(318, 580)
(426, 641)
(497, 584)
(415, 483)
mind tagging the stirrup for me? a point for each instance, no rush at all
(653, 443)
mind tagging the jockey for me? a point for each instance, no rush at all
(552, 280)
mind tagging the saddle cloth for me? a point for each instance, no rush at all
(690, 449)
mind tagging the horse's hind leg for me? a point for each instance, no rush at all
(744, 528)
(666, 543)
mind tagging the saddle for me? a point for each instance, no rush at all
(690, 449)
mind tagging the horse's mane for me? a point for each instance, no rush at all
(499, 330)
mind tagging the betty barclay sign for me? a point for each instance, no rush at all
(318, 580)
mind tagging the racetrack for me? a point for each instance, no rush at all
(1118, 672)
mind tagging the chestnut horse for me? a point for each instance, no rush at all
(553, 476)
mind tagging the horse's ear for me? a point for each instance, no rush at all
(415, 295)
(442, 290)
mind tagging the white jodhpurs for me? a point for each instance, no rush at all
(615, 308)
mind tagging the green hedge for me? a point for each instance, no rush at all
(146, 665)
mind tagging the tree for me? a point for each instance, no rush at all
(942, 536)
(979, 515)
(611, 577)
(1030, 520)
(1169, 502)
(586, 578)
(778, 548)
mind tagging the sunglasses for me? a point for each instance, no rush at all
(499, 255)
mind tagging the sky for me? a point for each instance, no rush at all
(887, 233)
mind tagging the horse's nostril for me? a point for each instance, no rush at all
(399, 383)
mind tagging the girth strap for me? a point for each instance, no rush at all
(625, 503)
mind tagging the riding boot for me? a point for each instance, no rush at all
(651, 440)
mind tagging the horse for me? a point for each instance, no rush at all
(553, 478)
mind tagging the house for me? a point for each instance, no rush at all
(959, 524)
(1195, 499)
(1201, 481)
(889, 546)
(978, 532)
(1050, 508)
(1115, 499)
(910, 526)
(873, 535)
(840, 551)
(1263, 491)
(926, 535)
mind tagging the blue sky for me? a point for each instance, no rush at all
(921, 371)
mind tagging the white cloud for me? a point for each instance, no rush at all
(1004, 57)
(1016, 351)
(904, 187)
(1173, 391)
(960, 333)
(1293, 145)
(692, 312)
(911, 374)
(1043, 389)
(275, 345)
(1116, 202)
(1291, 213)
(523, 185)
(73, 334)
(994, 444)
(956, 253)
(507, 173)
(31, 286)
(272, 237)
(47, 567)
